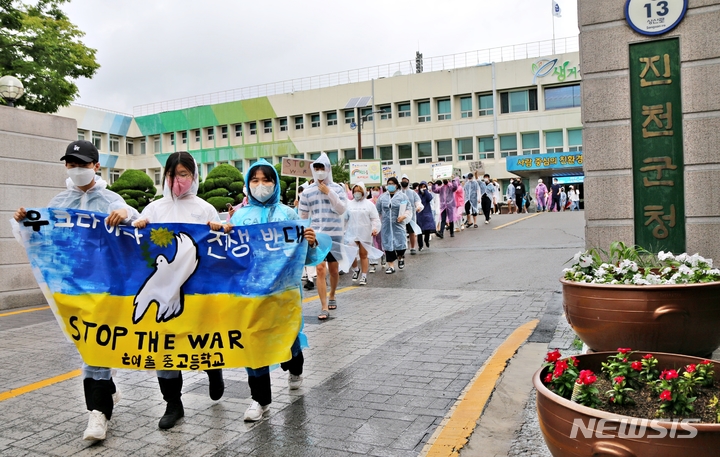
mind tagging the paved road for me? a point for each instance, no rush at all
(380, 375)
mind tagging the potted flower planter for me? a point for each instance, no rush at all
(674, 318)
(571, 429)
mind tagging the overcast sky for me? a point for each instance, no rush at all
(158, 50)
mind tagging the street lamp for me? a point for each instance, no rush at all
(11, 89)
(361, 121)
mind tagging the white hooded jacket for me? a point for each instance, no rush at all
(324, 211)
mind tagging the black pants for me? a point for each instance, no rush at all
(555, 202)
(426, 235)
(443, 218)
(486, 204)
(259, 378)
(391, 256)
(519, 203)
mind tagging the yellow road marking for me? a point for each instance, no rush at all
(454, 433)
(63, 377)
(38, 385)
(24, 311)
(339, 291)
(515, 222)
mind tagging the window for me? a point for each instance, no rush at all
(574, 140)
(196, 133)
(465, 107)
(444, 150)
(267, 126)
(143, 149)
(443, 107)
(518, 101)
(405, 154)
(368, 153)
(349, 116)
(157, 177)
(238, 164)
(283, 124)
(423, 111)
(156, 144)
(81, 135)
(485, 104)
(183, 137)
(210, 133)
(238, 130)
(210, 167)
(366, 114)
(97, 140)
(403, 109)
(333, 156)
(253, 128)
(223, 132)
(424, 151)
(298, 156)
(349, 154)
(486, 147)
(465, 149)
(562, 97)
(331, 117)
(129, 146)
(315, 120)
(299, 123)
(114, 143)
(386, 155)
(554, 141)
(386, 112)
(114, 175)
(530, 143)
(508, 145)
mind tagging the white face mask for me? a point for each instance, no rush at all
(375, 193)
(487, 181)
(262, 192)
(358, 196)
(321, 175)
(81, 176)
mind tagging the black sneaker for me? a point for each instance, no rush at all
(355, 275)
(401, 263)
(309, 285)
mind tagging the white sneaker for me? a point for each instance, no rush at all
(294, 382)
(97, 426)
(486, 222)
(116, 397)
(255, 412)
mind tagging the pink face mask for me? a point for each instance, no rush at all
(181, 186)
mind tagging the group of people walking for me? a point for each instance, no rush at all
(556, 198)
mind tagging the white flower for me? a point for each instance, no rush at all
(600, 272)
(681, 257)
(586, 260)
(714, 272)
(666, 270)
(576, 257)
(684, 269)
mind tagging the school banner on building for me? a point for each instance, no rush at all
(169, 296)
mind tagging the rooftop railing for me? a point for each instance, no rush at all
(448, 62)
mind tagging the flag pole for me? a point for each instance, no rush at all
(553, 25)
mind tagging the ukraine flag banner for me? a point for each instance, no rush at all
(169, 296)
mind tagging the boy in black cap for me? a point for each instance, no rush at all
(87, 191)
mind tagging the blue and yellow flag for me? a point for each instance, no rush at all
(169, 296)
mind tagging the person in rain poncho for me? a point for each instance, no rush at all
(324, 202)
(563, 199)
(415, 207)
(471, 199)
(486, 195)
(180, 203)
(263, 207)
(363, 222)
(394, 209)
(510, 194)
(459, 208)
(425, 218)
(373, 196)
(446, 193)
(87, 191)
(540, 193)
(497, 198)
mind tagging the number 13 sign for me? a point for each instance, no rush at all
(654, 17)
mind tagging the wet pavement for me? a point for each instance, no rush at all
(380, 375)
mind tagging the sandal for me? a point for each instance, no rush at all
(323, 316)
(476, 226)
(332, 304)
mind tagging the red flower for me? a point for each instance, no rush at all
(575, 361)
(705, 362)
(560, 367)
(625, 359)
(553, 356)
(666, 395)
(624, 350)
(586, 377)
(612, 399)
(648, 356)
(636, 365)
(690, 368)
(548, 378)
(668, 374)
(619, 379)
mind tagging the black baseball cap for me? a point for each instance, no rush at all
(81, 150)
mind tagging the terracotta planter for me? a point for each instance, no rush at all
(612, 435)
(680, 319)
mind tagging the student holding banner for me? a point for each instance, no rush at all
(87, 191)
(180, 203)
(264, 206)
